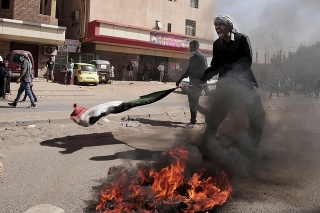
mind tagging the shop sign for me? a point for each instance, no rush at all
(70, 46)
(173, 66)
(169, 40)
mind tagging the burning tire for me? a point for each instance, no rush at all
(171, 188)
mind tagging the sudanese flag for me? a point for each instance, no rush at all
(89, 116)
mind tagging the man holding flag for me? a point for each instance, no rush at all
(232, 59)
(197, 65)
(195, 70)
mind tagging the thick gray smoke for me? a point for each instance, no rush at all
(288, 22)
(229, 148)
(232, 146)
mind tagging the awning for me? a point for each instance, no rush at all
(17, 30)
(115, 37)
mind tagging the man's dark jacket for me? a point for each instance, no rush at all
(233, 58)
(197, 65)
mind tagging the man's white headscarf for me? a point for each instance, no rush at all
(227, 20)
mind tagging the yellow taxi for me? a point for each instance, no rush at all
(85, 74)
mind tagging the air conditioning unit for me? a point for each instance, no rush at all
(50, 50)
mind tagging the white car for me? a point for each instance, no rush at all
(210, 86)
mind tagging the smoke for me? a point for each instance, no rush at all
(292, 21)
(231, 137)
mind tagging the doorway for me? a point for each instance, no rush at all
(32, 48)
(148, 68)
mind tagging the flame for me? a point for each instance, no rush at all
(151, 191)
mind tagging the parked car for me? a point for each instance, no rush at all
(85, 73)
(210, 86)
(15, 62)
(104, 70)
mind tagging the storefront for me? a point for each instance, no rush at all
(147, 48)
(70, 49)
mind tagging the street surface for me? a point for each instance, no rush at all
(60, 163)
(58, 97)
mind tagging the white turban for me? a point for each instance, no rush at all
(226, 19)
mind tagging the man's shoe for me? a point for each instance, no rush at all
(12, 104)
(33, 106)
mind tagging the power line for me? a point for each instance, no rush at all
(284, 46)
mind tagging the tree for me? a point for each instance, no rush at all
(305, 62)
(277, 58)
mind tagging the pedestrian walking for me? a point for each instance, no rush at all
(50, 66)
(317, 88)
(232, 60)
(7, 73)
(307, 86)
(4, 79)
(124, 71)
(275, 86)
(112, 74)
(195, 70)
(287, 85)
(161, 71)
(31, 89)
(68, 75)
(24, 80)
(130, 71)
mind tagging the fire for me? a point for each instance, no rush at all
(167, 190)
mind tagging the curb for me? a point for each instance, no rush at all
(4, 124)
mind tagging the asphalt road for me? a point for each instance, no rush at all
(60, 98)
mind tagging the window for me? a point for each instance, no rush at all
(190, 27)
(157, 25)
(44, 8)
(60, 61)
(169, 27)
(86, 57)
(5, 4)
(194, 3)
(16, 58)
(89, 68)
(75, 57)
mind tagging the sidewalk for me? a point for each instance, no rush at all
(45, 91)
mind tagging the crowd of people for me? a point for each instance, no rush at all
(309, 87)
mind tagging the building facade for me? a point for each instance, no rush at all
(30, 25)
(146, 33)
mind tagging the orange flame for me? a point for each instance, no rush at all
(150, 190)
